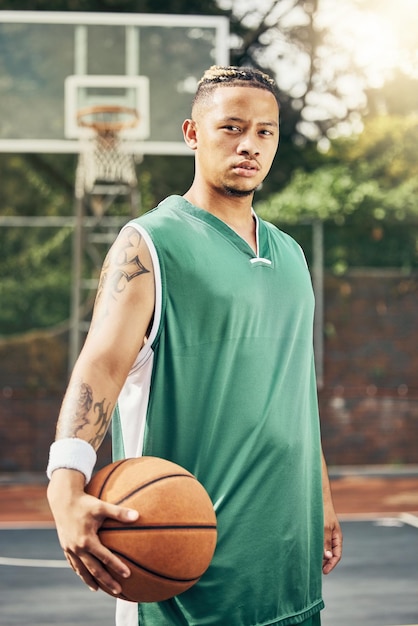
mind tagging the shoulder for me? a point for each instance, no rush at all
(168, 224)
(280, 237)
(275, 230)
(129, 255)
(170, 206)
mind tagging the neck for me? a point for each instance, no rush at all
(236, 211)
(226, 205)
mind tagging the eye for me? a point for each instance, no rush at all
(266, 132)
(232, 128)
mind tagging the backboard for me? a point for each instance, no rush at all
(52, 64)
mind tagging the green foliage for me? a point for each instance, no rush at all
(385, 150)
(327, 193)
(366, 195)
(34, 262)
(160, 176)
(35, 284)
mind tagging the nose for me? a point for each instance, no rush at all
(248, 146)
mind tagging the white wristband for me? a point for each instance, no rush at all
(72, 453)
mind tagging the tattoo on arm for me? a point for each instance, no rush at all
(78, 403)
(126, 262)
(81, 396)
(103, 418)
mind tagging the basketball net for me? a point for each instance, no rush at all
(104, 158)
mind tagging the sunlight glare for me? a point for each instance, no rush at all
(377, 36)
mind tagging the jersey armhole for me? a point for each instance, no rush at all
(146, 350)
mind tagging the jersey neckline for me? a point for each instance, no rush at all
(260, 257)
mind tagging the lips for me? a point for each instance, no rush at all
(246, 168)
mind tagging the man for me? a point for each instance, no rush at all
(201, 348)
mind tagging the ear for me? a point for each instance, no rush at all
(190, 134)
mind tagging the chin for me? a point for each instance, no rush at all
(238, 193)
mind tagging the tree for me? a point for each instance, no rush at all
(35, 263)
(365, 196)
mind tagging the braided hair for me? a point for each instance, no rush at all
(233, 76)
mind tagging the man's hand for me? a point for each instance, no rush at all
(333, 536)
(333, 542)
(78, 516)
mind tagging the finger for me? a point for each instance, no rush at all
(90, 559)
(122, 514)
(327, 541)
(95, 572)
(81, 571)
(102, 576)
(329, 564)
(327, 554)
(332, 556)
(109, 561)
(94, 563)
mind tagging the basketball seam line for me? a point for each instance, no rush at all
(152, 482)
(162, 527)
(108, 476)
(154, 572)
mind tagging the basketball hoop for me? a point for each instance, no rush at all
(104, 157)
(107, 119)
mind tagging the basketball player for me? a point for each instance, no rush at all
(201, 349)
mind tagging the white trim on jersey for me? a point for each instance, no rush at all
(144, 353)
(261, 260)
(133, 403)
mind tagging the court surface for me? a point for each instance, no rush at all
(375, 585)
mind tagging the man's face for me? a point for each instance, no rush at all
(237, 134)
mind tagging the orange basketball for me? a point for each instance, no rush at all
(172, 543)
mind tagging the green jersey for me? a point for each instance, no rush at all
(225, 387)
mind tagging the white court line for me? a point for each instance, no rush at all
(401, 518)
(26, 525)
(412, 520)
(16, 562)
(395, 519)
(33, 562)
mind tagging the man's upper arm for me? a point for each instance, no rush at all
(125, 300)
